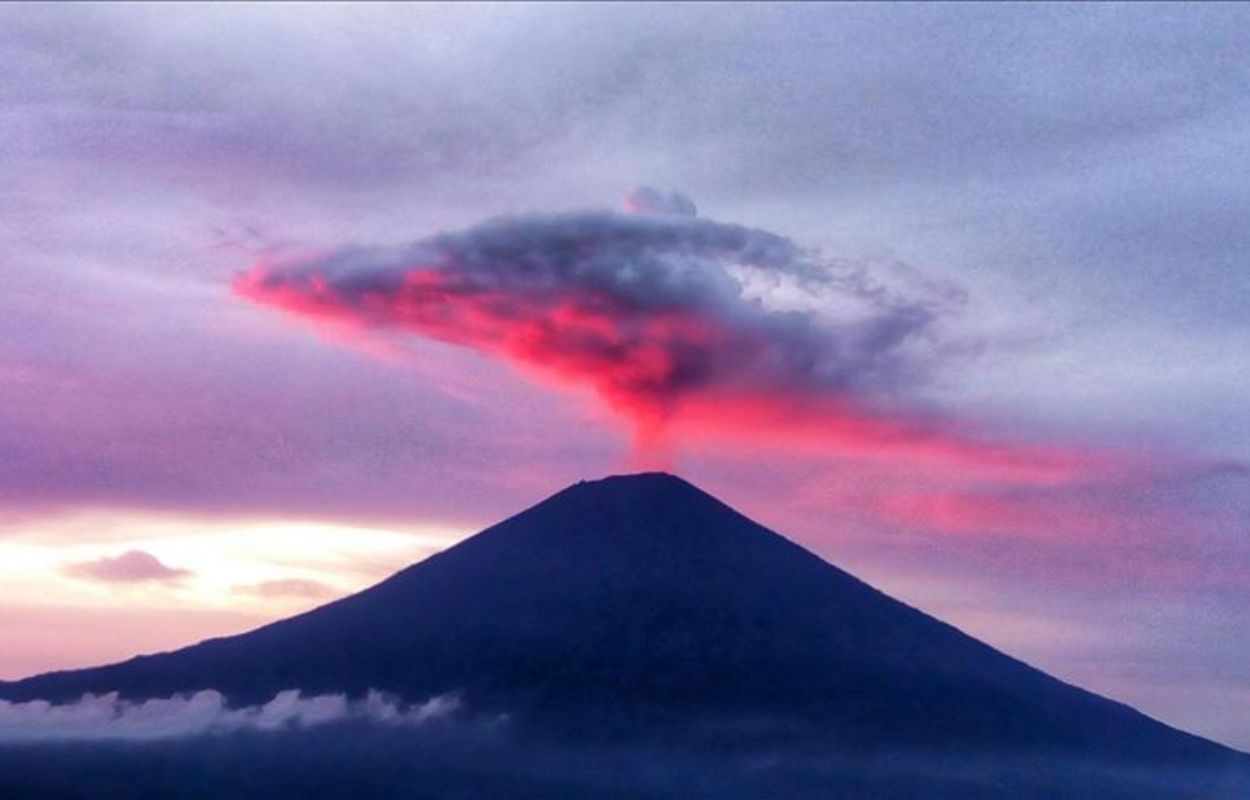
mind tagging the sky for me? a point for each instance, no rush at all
(954, 296)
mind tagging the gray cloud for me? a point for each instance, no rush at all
(105, 717)
(834, 96)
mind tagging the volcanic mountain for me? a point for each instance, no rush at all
(647, 605)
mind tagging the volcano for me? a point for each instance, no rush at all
(649, 606)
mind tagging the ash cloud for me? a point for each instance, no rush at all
(107, 717)
(660, 312)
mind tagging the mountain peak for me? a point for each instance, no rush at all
(639, 483)
(651, 487)
(647, 512)
(641, 597)
(652, 477)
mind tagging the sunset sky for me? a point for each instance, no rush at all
(293, 296)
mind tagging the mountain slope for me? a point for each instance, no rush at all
(640, 602)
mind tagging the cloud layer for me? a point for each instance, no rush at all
(106, 717)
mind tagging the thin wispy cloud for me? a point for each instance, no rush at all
(287, 587)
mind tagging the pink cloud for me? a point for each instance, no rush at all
(288, 587)
(133, 566)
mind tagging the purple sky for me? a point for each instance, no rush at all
(962, 307)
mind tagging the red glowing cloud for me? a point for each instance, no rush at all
(639, 361)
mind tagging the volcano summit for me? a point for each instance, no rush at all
(644, 609)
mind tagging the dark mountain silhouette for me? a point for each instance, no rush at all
(640, 603)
